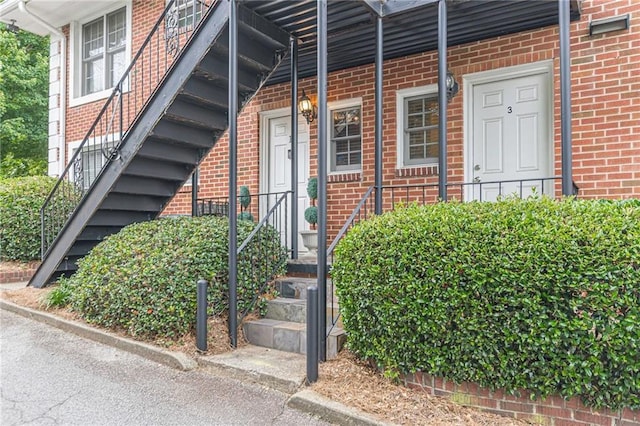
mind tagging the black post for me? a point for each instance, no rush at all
(442, 99)
(322, 176)
(233, 172)
(294, 148)
(201, 315)
(194, 192)
(378, 119)
(312, 334)
(565, 96)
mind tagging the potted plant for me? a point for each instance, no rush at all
(310, 237)
(245, 199)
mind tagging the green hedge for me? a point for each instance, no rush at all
(143, 279)
(20, 203)
(537, 295)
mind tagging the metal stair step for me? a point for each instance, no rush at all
(206, 93)
(145, 186)
(156, 149)
(129, 202)
(191, 114)
(118, 218)
(181, 133)
(215, 68)
(157, 169)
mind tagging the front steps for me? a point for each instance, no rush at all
(284, 325)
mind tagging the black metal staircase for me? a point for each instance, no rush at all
(164, 116)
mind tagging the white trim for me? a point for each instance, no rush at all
(75, 36)
(344, 103)
(491, 76)
(263, 166)
(401, 95)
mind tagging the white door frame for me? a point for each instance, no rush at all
(265, 116)
(491, 76)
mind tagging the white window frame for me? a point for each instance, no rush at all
(332, 106)
(401, 98)
(182, 5)
(75, 75)
(73, 147)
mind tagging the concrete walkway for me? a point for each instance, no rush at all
(282, 371)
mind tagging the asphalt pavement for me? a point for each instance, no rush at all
(51, 377)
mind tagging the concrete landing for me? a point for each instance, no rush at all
(284, 371)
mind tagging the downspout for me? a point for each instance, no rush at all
(22, 6)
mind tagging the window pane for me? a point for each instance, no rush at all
(93, 72)
(342, 160)
(117, 66)
(432, 150)
(342, 146)
(421, 132)
(354, 158)
(117, 30)
(92, 39)
(415, 121)
(91, 166)
(414, 106)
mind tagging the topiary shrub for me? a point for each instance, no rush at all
(20, 203)
(143, 279)
(536, 295)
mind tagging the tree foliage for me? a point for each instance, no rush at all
(23, 103)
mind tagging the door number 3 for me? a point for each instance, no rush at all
(509, 110)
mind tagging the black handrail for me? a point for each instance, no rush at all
(159, 52)
(266, 270)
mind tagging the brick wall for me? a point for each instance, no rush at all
(15, 273)
(605, 96)
(552, 411)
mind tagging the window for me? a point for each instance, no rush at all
(346, 139)
(87, 166)
(104, 45)
(421, 130)
(417, 126)
(189, 12)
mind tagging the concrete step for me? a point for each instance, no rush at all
(289, 336)
(295, 310)
(296, 287)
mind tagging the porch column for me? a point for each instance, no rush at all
(322, 177)
(378, 118)
(442, 100)
(233, 172)
(564, 15)
(294, 148)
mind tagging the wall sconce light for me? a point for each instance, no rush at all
(601, 26)
(307, 108)
(452, 86)
(12, 27)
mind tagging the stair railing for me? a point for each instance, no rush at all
(159, 51)
(364, 209)
(265, 259)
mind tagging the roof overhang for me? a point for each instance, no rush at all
(410, 26)
(56, 13)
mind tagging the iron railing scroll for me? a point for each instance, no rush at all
(101, 145)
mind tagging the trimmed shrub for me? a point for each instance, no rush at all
(143, 279)
(20, 203)
(518, 294)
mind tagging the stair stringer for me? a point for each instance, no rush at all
(152, 113)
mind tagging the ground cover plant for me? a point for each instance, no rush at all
(20, 203)
(143, 279)
(520, 294)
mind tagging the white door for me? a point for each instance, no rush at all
(511, 139)
(280, 168)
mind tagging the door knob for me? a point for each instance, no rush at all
(476, 167)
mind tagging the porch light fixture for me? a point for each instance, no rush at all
(452, 86)
(616, 23)
(307, 108)
(12, 27)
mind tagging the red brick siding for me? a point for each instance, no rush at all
(605, 103)
(552, 410)
(18, 274)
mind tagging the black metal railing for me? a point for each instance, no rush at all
(394, 195)
(262, 254)
(250, 207)
(158, 53)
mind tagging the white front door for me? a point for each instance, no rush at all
(511, 139)
(279, 173)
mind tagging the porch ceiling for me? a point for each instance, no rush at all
(351, 27)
